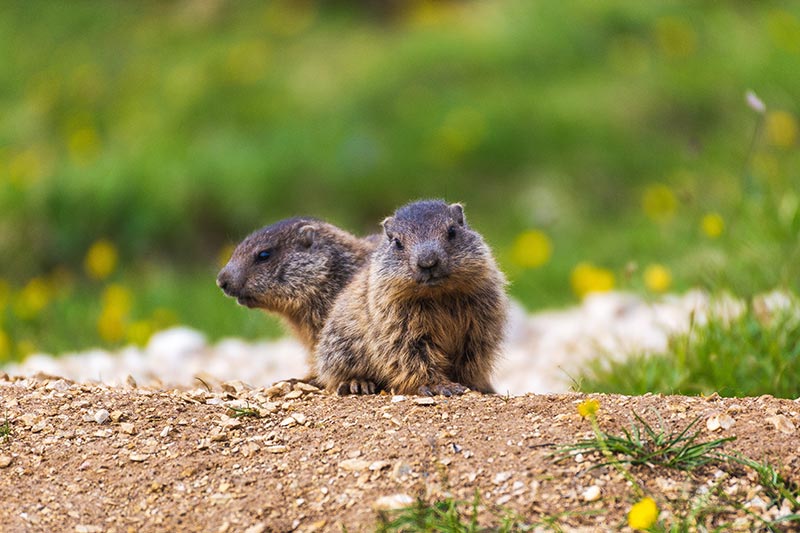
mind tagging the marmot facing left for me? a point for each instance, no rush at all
(295, 268)
(425, 316)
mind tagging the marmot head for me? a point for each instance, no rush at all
(429, 246)
(280, 266)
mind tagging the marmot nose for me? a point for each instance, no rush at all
(224, 282)
(427, 260)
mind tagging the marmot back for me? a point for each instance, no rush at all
(295, 268)
(426, 316)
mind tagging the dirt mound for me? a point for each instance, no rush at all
(82, 457)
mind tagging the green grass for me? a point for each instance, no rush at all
(645, 445)
(747, 355)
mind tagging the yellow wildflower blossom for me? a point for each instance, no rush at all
(117, 298)
(532, 249)
(659, 202)
(643, 514)
(139, 332)
(781, 129)
(586, 278)
(32, 299)
(713, 225)
(111, 325)
(657, 278)
(101, 259)
(588, 408)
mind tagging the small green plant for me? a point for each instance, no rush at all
(5, 429)
(453, 516)
(441, 516)
(644, 445)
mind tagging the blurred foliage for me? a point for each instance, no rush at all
(138, 141)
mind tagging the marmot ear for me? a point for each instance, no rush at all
(457, 212)
(306, 235)
(386, 223)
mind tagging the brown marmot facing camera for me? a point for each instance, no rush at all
(295, 268)
(425, 316)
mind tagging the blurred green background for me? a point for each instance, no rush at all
(596, 145)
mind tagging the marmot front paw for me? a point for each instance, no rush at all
(356, 386)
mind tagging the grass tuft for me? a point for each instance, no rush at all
(644, 445)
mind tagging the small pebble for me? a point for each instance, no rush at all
(354, 465)
(591, 494)
(276, 449)
(101, 416)
(425, 400)
(392, 502)
(5, 461)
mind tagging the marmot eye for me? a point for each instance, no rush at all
(263, 255)
(398, 244)
(451, 233)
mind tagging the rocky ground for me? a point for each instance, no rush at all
(92, 457)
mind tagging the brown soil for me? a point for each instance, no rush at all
(176, 461)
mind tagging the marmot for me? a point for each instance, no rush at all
(425, 316)
(295, 268)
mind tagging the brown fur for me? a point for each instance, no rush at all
(308, 263)
(425, 316)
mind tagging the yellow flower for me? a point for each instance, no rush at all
(588, 408)
(101, 259)
(5, 346)
(84, 145)
(117, 298)
(643, 514)
(586, 278)
(139, 332)
(781, 128)
(532, 249)
(713, 225)
(32, 299)
(657, 278)
(659, 202)
(111, 325)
